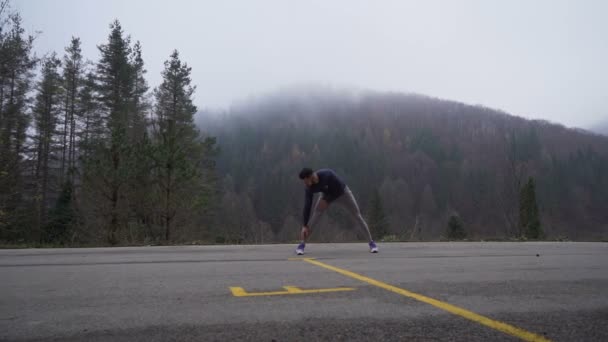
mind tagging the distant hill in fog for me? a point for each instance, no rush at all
(601, 128)
(429, 158)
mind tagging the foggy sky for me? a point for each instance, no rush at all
(537, 59)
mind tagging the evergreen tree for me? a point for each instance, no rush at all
(92, 120)
(378, 223)
(46, 115)
(179, 152)
(455, 228)
(72, 76)
(115, 90)
(61, 217)
(140, 181)
(529, 220)
(139, 103)
(521, 147)
(16, 66)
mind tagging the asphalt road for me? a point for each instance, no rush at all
(184, 293)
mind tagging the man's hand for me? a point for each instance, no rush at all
(304, 233)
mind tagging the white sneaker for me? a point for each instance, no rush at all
(300, 249)
(372, 247)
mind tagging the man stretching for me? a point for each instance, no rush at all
(333, 190)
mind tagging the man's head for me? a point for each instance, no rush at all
(308, 176)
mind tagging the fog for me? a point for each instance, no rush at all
(536, 59)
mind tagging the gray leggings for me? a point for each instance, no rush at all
(347, 200)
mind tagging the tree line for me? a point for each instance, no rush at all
(89, 154)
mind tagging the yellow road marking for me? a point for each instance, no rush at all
(289, 290)
(500, 326)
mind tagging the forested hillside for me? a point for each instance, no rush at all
(427, 159)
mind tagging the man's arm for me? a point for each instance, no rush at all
(307, 206)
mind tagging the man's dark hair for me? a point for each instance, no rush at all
(305, 173)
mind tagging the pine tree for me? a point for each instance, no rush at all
(61, 217)
(529, 220)
(140, 162)
(16, 66)
(179, 152)
(93, 131)
(378, 223)
(139, 103)
(115, 90)
(72, 76)
(46, 116)
(455, 228)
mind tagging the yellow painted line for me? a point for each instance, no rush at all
(289, 290)
(500, 326)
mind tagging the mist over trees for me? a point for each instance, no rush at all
(91, 154)
(430, 161)
(601, 128)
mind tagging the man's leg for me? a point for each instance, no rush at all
(350, 203)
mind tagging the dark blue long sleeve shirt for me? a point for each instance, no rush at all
(329, 184)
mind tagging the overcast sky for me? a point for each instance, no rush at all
(537, 59)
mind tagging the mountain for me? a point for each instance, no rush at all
(428, 158)
(601, 127)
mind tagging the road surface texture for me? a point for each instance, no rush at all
(467, 291)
